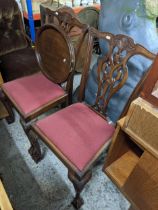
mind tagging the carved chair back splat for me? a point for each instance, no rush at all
(112, 69)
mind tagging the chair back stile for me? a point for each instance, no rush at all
(112, 69)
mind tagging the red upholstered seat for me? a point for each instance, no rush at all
(32, 92)
(77, 131)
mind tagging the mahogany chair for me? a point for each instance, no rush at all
(33, 95)
(79, 133)
(77, 33)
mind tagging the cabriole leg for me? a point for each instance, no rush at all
(79, 183)
(34, 150)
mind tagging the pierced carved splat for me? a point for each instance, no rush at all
(110, 79)
(112, 69)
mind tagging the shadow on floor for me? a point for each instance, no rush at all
(23, 189)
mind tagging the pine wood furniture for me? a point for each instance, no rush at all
(79, 133)
(4, 200)
(132, 161)
(150, 89)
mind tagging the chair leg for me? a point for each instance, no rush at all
(79, 183)
(34, 150)
(10, 118)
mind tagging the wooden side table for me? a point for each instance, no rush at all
(132, 161)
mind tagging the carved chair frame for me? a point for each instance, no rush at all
(66, 99)
(121, 49)
(112, 74)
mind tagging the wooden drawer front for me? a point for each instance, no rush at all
(142, 185)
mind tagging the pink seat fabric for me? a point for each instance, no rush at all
(77, 131)
(31, 92)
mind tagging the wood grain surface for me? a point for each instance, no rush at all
(4, 201)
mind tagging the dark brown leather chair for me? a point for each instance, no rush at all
(17, 57)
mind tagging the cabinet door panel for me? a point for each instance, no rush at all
(142, 185)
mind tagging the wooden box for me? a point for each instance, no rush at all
(142, 123)
(132, 161)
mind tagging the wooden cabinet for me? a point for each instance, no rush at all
(132, 162)
(142, 184)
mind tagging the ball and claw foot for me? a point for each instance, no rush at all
(35, 154)
(79, 182)
(77, 202)
(10, 119)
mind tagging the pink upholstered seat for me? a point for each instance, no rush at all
(32, 92)
(77, 132)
